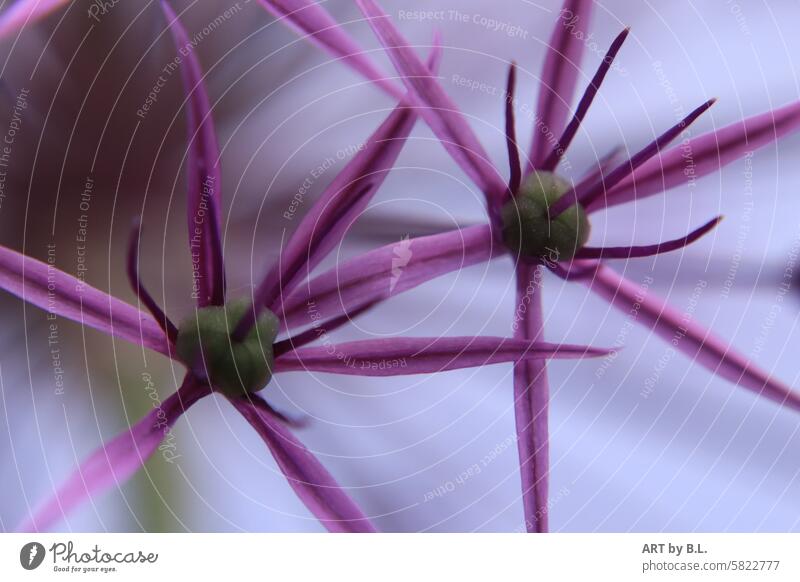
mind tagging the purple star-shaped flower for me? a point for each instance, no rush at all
(230, 346)
(540, 219)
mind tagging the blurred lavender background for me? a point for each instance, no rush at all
(647, 442)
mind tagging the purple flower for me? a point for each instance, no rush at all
(541, 220)
(229, 346)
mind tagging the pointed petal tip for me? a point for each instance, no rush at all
(700, 110)
(115, 461)
(592, 352)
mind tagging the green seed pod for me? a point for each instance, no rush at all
(233, 368)
(527, 229)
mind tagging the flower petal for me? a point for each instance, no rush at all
(647, 250)
(694, 340)
(404, 356)
(558, 150)
(309, 19)
(117, 460)
(559, 77)
(595, 192)
(515, 166)
(46, 287)
(435, 107)
(531, 399)
(342, 202)
(312, 483)
(24, 12)
(387, 271)
(204, 179)
(313, 333)
(142, 293)
(703, 155)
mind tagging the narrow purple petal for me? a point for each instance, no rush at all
(44, 286)
(531, 400)
(24, 12)
(309, 19)
(387, 271)
(693, 339)
(703, 155)
(312, 334)
(599, 173)
(515, 166)
(595, 192)
(117, 460)
(404, 356)
(436, 108)
(342, 202)
(603, 166)
(647, 250)
(583, 105)
(559, 77)
(572, 271)
(144, 296)
(312, 483)
(204, 179)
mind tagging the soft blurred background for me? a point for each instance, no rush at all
(648, 443)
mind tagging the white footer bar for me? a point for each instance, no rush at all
(406, 557)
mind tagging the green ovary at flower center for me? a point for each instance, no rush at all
(204, 344)
(527, 228)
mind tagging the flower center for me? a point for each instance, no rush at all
(204, 344)
(528, 229)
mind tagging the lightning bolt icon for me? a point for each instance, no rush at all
(34, 551)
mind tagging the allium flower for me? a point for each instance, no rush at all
(229, 346)
(542, 221)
